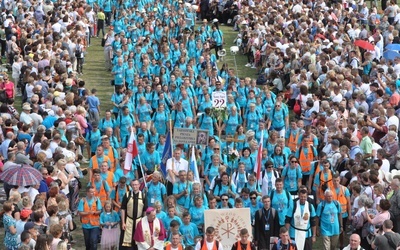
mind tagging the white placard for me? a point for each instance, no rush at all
(228, 223)
(190, 136)
(219, 99)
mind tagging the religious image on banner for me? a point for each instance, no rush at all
(228, 223)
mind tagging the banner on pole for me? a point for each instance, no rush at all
(190, 136)
(228, 223)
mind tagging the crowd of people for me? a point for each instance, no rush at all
(322, 117)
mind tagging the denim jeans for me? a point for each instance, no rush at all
(91, 237)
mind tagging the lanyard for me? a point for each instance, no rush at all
(265, 217)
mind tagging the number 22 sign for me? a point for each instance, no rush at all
(219, 99)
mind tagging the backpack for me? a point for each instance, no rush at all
(261, 79)
(324, 185)
(78, 51)
(273, 113)
(120, 118)
(390, 241)
(323, 207)
(276, 174)
(175, 114)
(271, 197)
(273, 210)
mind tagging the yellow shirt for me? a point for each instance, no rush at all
(101, 16)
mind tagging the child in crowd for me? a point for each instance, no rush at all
(170, 217)
(109, 221)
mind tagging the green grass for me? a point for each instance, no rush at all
(241, 60)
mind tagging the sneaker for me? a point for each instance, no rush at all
(253, 67)
(248, 65)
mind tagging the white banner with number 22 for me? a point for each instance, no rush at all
(219, 99)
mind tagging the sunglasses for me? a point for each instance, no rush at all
(293, 161)
(216, 148)
(224, 199)
(253, 198)
(277, 106)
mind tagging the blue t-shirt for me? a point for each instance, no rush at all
(291, 175)
(197, 215)
(109, 217)
(167, 220)
(155, 193)
(189, 232)
(179, 187)
(329, 218)
(282, 204)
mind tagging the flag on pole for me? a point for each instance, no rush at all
(193, 166)
(167, 153)
(257, 166)
(131, 153)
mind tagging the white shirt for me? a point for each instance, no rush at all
(393, 120)
(182, 164)
(56, 27)
(209, 245)
(396, 69)
(37, 120)
(26, 118)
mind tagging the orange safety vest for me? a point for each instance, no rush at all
(102, 194)
(239, 245)
(305, 160)
(204, 245)
(109, 180)
(341, 198)
(169, 247)
(92, 219)
(117, 196)
(322, 180)
(317, 169)
(110, 155)
(292, 142)
(95, 163)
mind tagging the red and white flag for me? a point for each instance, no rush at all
(257, 166)
(131, 153)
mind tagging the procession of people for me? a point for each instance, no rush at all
(307, 137)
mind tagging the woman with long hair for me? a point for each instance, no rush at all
(44, 242)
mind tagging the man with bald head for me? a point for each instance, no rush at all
(354, 243)
(20, 156)
(354, 147)
(330, 218)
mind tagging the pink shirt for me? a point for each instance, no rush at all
(9, 88)
(82, 122)
(380, 218)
